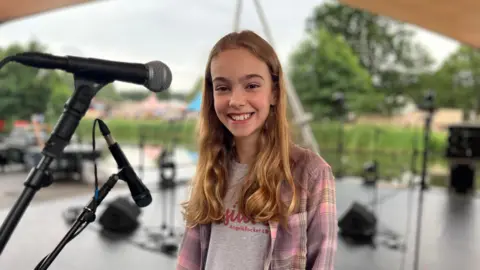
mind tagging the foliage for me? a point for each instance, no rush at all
(197, 88)
(392, 147)
(24, 90)
(385, 48)
(324, 64)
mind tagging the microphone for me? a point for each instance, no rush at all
(155, 75)
(140, 193)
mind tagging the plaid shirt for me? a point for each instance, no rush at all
(311, 241)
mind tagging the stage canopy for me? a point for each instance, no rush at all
(457, 19)
(11, 10)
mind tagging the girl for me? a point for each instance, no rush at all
(258, 201)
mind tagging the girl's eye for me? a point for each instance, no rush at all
(221, 88)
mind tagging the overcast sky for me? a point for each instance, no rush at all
(177, 32)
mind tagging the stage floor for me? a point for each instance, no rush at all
(450, 234)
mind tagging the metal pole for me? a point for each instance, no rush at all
(423, 187)
(238, 13)
(301, 118)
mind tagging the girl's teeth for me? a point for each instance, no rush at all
(241, 117)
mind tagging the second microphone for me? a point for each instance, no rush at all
(140, 193)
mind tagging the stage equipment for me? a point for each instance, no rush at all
(428, 107)
(463, 155)
(339, 111)
(358, 223)
(89, 77)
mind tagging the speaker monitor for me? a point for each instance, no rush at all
(462, 178)
(358, 222)
(120, 216)
(462, 141)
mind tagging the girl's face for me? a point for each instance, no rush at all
(242, 92)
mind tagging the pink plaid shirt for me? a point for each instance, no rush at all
(311, 242)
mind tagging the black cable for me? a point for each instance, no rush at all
(39, 265)
(95, 165)
(6, 60)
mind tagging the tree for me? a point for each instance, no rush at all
(134, 95)
(385, 47)
(24, 90)
(108, 94)
(457, 81)
(197, 88)
(61, 92)
(378, 41)
(324, 64)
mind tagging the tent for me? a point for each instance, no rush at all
(195, 104)
(11, 10)
(458, 19)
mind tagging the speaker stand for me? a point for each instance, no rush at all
(423, 183)
(165, 240)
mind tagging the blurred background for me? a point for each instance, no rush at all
(366, 81)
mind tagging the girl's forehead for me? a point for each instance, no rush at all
(237, 63)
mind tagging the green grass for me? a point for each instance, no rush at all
(392, 148)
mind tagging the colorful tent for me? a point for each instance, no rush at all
(194, 106)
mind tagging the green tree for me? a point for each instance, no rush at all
(24, 90)
(197, 88)
(133, 95)
(324, 64)
(457, 81)
(384, 46)
(164, 95)
(378, 41)
(61, 92)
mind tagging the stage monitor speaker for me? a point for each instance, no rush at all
(462, 178)
(358, 222)
(463, 140)
(120, 216)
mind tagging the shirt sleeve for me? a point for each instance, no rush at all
(189, 254)
(322, 219)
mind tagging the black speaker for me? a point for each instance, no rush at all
(462, 178)
(120, 216)
(358, 222)
(462, 139)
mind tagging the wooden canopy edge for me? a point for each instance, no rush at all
(459, 19)
(11, 10)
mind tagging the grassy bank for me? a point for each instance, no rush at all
(392, 147)
(357, 137)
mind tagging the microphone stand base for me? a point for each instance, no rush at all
(86, 217)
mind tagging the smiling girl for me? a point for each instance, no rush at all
(258, 201)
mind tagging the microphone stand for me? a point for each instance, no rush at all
(338, 99)
(429, 108)
(39, 176)
(86, 217)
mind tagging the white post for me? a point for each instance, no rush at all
(301, 118)
(238, 13)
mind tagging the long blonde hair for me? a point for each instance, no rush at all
(260, 197)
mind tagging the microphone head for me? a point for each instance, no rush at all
(159, 76)
(143, 200)
(140, 193)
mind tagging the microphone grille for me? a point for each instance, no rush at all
(159, 76)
